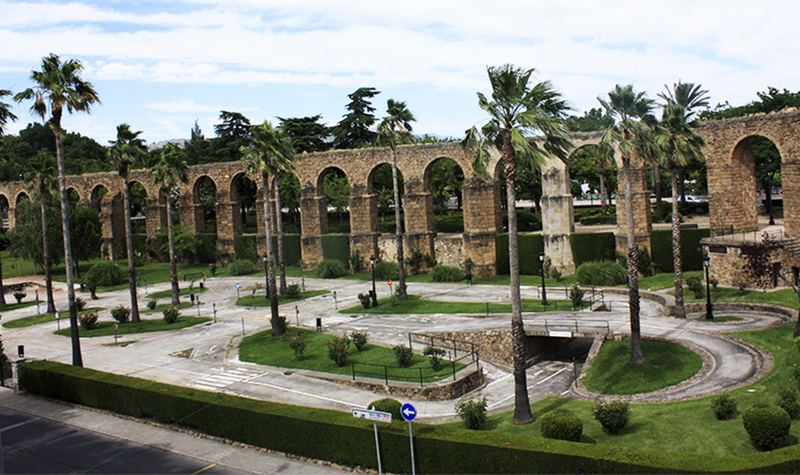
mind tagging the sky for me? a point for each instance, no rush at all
(161, 66)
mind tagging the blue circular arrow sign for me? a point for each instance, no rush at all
(408, 411)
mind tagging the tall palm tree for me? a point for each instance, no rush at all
(393, 130)
(127, 150)
(169, 169)
(517, 111)
(5, 111)
(629, 109)
(269, 154)
(42, 179)
(59, 86)
(281, 248)
(680, 143)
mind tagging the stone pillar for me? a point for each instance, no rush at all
(363, 223)
(112, 214)
(641, 207)
(313, 223)
(418, 219)
(480, 200)
(152, 223)
(732, 187)
(227, 218)
(12, 218)
(558, 217)
(790, 174)
(188, 212)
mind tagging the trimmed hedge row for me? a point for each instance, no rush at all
(691, 257)
(336, 246)
(588, 247)
(530, 245)
(318, 433)
(244, 247)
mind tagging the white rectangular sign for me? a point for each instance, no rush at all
(560, 334)
(378, 416)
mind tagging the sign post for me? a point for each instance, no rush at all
(374, 416)
(389, 283)
(409, 413)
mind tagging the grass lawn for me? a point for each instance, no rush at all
(262, 301)
(163, 306)
(167, 294)
(13, 306)
(415, 304)
(665, 364)
(261, 348)
(785, 297)
(145, 326)
(46, 317)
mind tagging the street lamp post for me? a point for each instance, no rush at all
(544, 291)
(266, 274)
(374, 293)
(709, 308)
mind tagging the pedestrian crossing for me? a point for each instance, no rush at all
(228, 377)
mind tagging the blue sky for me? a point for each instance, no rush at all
(159, 66)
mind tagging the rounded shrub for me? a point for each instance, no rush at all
(88, 320)
(171, 314)
(472, 412)
(562, 424)
(612, 415)
(121, 313)
(446, 274)
(387, 405)
(241, 267)
(330, 269)
(768, 426)
(724, 407)
(601, 273)
(105, 273)
(385, 270)
(403, 354)
(787, 400)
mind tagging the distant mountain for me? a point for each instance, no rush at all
(157, 145)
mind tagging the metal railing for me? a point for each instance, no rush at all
(731, 234)
(573, 326)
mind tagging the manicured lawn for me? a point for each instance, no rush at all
(13, 306)
(415, 304)
(665, 364)
(167, 294)
(665, 281)
(163, 306)
(261, 300)
(46, 317)
(784, 297)
(145, 326)
(261, 348)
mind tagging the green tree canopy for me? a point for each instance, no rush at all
(353, 131)
(307, 133)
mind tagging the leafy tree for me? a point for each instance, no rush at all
(679, 143)
(232, 134)
(591, 121)
(59, 86)
(353, 131)
(42, 179)
(127, 150)
(395, 129)
(447, 180)
(87, 240)
(269, 154)
(594, 164)
(336, 189)
(307, 134)
(290, 194)
(197, 148)
(169, 170)
(628, 109)
(5, 111)
(25, 240)
(517, 110)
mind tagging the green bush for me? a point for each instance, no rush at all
(152, 303)
(336, 247)
(768, 426)
(601, 273)
(724, 407)
(576, 294)
(387, 405)
(612, 415)
(403, 355)
(446, 274)
(80, 304)
(337, 350)
(434, 356)
(104, 273)
(121, 313)
(359, 340)
(562, 424)
(417, 261)
(294, 291)
(330, 269)
(19, 296)
(171, 314)
(787, 400)
(696, 287)
(88, 320)
(245, 247)
(472, 412)
(588, 247)
(365, 299)
(241, 267)
(387, 270)
(297, 342)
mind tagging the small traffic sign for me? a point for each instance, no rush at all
(378, 416)
(238, 286)
(408, 411)
(389, 282)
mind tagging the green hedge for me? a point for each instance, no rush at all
(588, 247)
(244, 247)
(530, 245)
(691, 257)
(336, 246)
(140, 244)
(340, 438)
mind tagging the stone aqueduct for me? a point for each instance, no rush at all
(731, 178)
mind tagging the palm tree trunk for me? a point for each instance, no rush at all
(401, 286)
(129, 241)
(77, 360)
(601, 169)
(680, 309)
(173, 263)
(48, 262)
(281, 248)
(277, 327)
(522, 407)
(637, 356)
(2, 289)
(657, 186)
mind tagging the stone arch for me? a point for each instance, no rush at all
(98, 193)
(243, 193)
(21, 196)
(139, 206)
(336, 196)
(204, 204)
(5, 212)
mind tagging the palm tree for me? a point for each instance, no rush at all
(5, 111)
(42, 179)
(170, 168)
(679, 143)
(281, 248)
(626, 106)
(127, 150)
(269, 154)
(393, 130)
(517, 110)
(59, 86)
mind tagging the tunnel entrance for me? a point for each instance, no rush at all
(546, 348)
